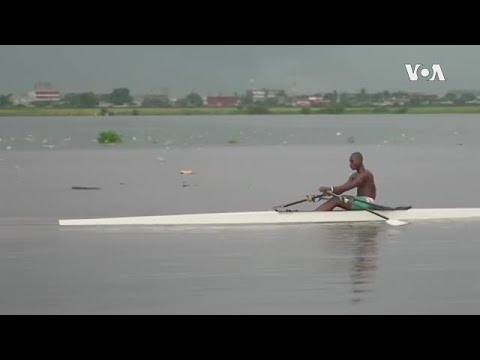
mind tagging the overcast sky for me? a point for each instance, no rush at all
(214, 69)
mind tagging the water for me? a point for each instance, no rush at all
(33, 133)
(425, 267)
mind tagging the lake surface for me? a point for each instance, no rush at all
(423, 268)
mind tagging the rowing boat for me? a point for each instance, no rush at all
(282, 217)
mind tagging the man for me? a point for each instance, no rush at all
(362, 179)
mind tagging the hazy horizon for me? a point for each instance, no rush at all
(214, 69)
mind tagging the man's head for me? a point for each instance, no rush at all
(356, 161)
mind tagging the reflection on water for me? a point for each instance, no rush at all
(364, 262)
(358, 242)
(345, 256)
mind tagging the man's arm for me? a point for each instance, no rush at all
(352, 183)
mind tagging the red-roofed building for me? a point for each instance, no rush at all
(223, 101)
(424, 96)
(44, 92)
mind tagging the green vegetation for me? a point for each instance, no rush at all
(256, 110)
(109, 137)
(82, 100)
(402, 110)
(232, 142)
(249, 110)
(191, 100)
(5, 100)
(120, 96)
(381, 110)
(334, 109)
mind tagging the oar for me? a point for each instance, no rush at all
(299, 202)
(392, 222)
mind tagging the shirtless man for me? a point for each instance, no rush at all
(362, 179)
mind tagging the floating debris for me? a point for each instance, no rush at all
(351, 140)
(185, 185)
(85, 188)
(339, 133)
(186, 172)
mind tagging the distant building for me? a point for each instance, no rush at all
(460, 92)
(154, 100)
(263, 95)
(21, 100)
(303, 103)
(222, 101)
(44, 92)
(258, 95)
(429, 97)
(318, 101)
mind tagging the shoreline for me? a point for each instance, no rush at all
(135, 111)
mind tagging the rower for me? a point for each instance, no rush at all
(362, 179)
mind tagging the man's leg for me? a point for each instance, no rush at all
(362, 204)
(332, 204)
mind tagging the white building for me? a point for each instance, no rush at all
(44, 92)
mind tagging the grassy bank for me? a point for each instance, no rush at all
(235, 111)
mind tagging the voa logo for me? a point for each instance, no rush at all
(435, 72)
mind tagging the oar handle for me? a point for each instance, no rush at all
(298, 202)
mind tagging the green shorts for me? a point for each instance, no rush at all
(364, 202)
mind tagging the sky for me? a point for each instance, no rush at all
(212, 70)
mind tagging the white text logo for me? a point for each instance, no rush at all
(435, 72)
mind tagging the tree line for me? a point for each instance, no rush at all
(122, 96)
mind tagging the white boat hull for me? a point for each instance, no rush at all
(273, 217)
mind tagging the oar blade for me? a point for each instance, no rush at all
(395, 222)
